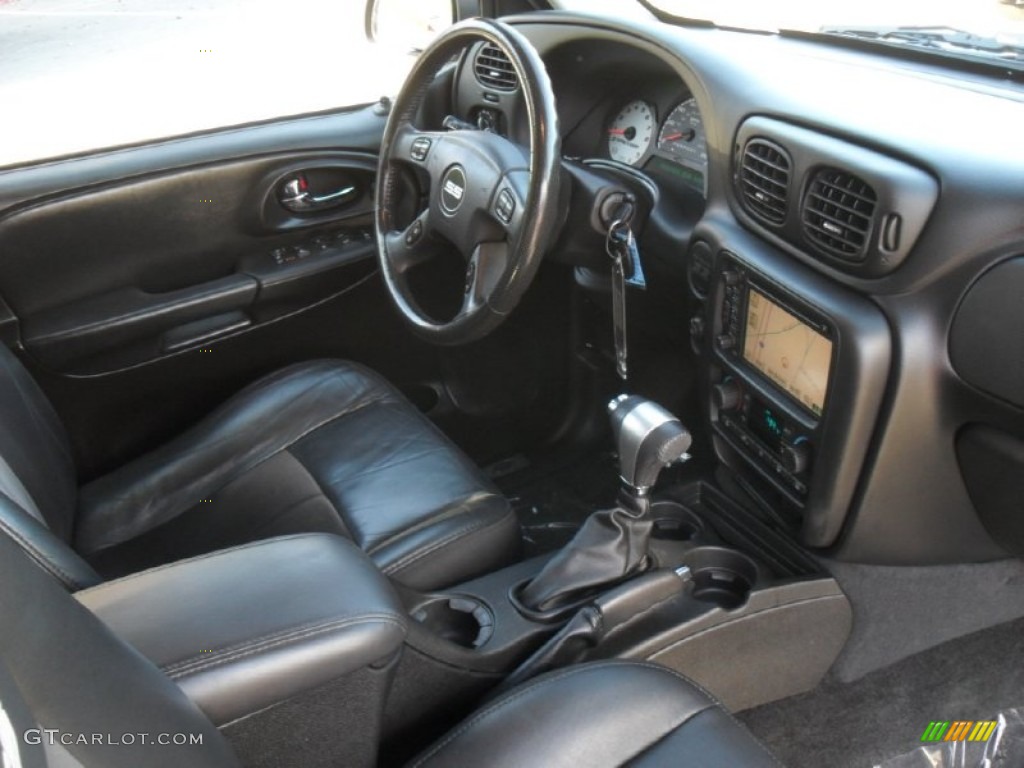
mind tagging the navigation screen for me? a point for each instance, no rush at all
(787, 351)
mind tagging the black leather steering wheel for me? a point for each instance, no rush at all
(495, 201)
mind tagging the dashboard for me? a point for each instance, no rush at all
(829, 236)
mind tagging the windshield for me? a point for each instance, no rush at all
(990, 30)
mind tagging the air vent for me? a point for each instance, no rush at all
(838, 213)
(494, 70)
(764, 180)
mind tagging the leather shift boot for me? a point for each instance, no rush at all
(611, 545)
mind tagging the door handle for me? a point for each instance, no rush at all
(294, 195)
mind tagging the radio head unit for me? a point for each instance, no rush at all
(777, 339)
(778, 355)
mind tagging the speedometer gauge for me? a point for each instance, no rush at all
(682, 140)
(631, 133)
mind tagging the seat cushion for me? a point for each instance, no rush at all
(325, 446)
(602, 715)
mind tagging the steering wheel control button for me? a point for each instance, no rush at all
(453, 189)
(415, 233)
(505, 206)
(420, 149)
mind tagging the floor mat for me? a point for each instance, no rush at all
(885, 713)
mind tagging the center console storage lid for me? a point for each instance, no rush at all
(245, 628)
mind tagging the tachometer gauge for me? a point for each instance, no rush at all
(631, 133)
(682, 140)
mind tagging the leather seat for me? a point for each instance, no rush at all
(85, 680)
(325, 446)
(600, 715)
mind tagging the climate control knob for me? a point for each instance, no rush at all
(795, 456)
(726, 395)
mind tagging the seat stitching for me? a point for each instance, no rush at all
(448, 512)
(284, 511)
(416, 555)
(205, 556)
(371, 398)
(197, 664)
(279, 635)
(39, 557)
(404, 458)
(359, 406)
(36, 553)
(345, 522)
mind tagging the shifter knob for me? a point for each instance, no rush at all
(648, 437)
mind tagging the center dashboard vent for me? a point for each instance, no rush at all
(764, 180)
(839, 213)
(493, 69)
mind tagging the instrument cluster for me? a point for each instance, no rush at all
(675, 145)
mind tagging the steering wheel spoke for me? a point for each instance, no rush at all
(484, 272)
(412, 246)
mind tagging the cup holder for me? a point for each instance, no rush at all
(721, 576)
(674, 522)
(458, 620)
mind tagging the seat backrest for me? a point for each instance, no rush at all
(38, 487)
(73, 694)
(37, 470)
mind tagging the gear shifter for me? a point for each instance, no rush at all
(612, 544)
(649, 438)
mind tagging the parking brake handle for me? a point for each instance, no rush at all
(596, 620)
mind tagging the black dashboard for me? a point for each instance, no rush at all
(834, 218)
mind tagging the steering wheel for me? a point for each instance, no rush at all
(495, 201)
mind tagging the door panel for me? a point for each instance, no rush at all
(139, 306)
(153, 266)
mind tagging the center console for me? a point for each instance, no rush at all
(749, 615)
(794, 367)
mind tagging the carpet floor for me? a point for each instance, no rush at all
(884, 714)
